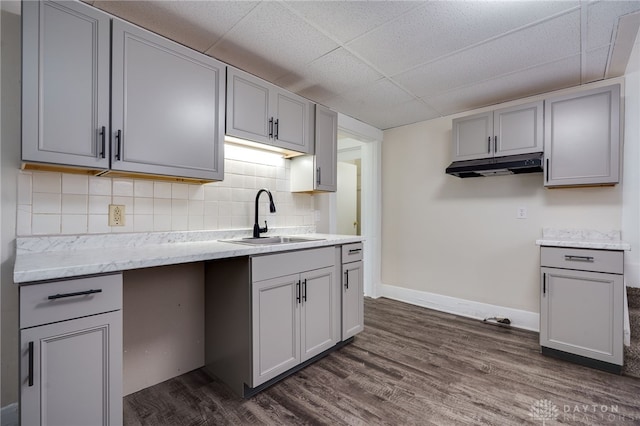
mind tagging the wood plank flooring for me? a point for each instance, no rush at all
(410, 366)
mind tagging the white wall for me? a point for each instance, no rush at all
(460, 237)
(10, 163)
(631, 163)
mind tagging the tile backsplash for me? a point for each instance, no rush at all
(51, 203)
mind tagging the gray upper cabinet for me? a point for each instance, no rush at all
(319, 172)
(261, 112)
(167, 107)
(65, 84)
(582, 138)
(506, 131)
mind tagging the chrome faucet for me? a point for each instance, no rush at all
(272, 208)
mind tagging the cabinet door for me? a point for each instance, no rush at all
(168, 107)
(248, 103)
(582, 313)
(518, 130)
(582, 138)
(352, 299)
(65, 84)
(276, 327)
(320, 312)
(291, 126)
(326, 158)
(75, 373)
(473, 137)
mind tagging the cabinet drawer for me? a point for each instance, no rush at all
(293, 262)
(351, 252)
(62, 300)
(582, 259)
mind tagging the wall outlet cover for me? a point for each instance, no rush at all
(116, 215)
(521, 213)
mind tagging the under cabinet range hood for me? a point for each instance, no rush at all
(496, 166)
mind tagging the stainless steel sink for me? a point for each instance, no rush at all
(264, 241)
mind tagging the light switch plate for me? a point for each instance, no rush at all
(116, 215)
(521, 213)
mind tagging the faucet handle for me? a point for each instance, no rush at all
(266, 228)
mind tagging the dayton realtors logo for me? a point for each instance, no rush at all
(544, 410)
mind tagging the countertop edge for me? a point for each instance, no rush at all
(35, 267)
(596, 245)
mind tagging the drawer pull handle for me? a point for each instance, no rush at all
(571, 258)
(30, 364)
(354, 251)
(77, 293)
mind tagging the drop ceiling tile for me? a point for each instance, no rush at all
(602, 19)
(334, 73)
(346, 20)
(440, 28)
(193, 23)
(514, 51)
(596, 64)
(537, 80)
(270, 41)
(382, 105)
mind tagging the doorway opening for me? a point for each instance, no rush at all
(349, 192)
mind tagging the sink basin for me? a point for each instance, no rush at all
(264, 241)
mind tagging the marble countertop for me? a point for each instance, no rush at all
(48, 258)
(582, 238)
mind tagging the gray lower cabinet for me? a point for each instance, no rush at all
(71, 352)
(167, 107)
(261, 112)
(581, 308)
(582, 138)
(265, 315)
(506, 131)
(319, 172)
(293, 320)
(65, 84)
(352, 290)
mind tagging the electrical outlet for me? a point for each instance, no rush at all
(116, 215)
(521, 213)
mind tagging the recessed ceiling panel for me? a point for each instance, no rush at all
(596, 64)
(515, 51)
(196, 24)
(346, 20)
(602, 19)
(271, 41)
(440, 28)
(558, 75)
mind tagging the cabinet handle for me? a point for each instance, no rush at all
(346, 279)
(489, 145)
(495, 144)
(30, 364)
(118, 143)
(275, 129)
(270, 127)
(103, 135)
(354, 251)
(77, 293)
(547, 170)
(544, 283)
(571, 258)
(318, 175)
(304, 293)
(298, 291)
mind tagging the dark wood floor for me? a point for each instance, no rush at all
(411, 366)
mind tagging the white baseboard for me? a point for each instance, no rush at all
(9, 415)
(466, 308)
